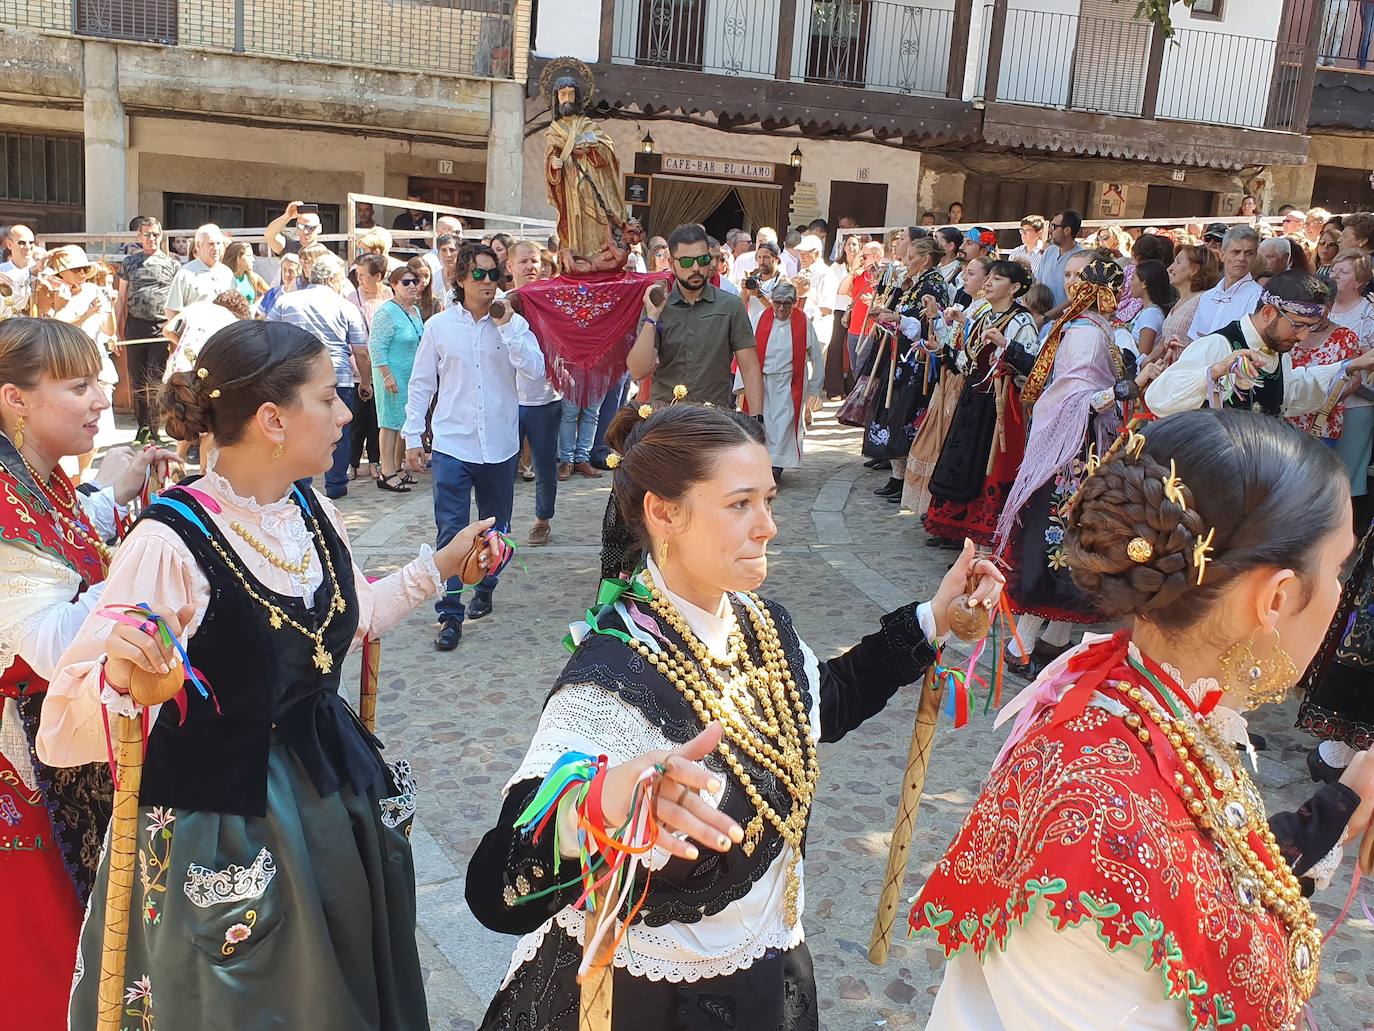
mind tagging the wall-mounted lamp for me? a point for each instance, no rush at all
(796, 158)
(646, 145)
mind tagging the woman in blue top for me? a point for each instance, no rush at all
(396, 330)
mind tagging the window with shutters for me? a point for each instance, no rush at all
(146, 21)
(1111, 55)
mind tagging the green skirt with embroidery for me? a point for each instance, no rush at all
(303, 918)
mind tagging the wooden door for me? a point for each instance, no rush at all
(671, 33)
(988, 199)
(837, 41)
(1179, 202)
(865, 203)
(1111, 55)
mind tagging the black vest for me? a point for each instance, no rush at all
(684, 892)
(265, 681)
(1267, 395)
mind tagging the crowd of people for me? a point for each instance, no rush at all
(1165, 432)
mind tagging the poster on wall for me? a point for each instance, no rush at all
(806, 204)
(638, 188)
(1113, 200)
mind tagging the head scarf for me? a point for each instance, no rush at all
(1099, 286)
(1307, 309)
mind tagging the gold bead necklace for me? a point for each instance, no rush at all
(1226, 805)
(778, 739)
(277, 616)
(294, 568)
(75, 522)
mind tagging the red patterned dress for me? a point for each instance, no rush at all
(1094, 848)
(52, 821)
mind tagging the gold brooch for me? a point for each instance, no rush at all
(612, 461)
(202, 373)
(1173, 488)
(1140, 550)
(679, 392)
(214, 393)
(645, 411)
(1201, 550)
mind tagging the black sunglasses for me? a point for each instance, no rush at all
(409, 281)
(702, 260)
(492, 274)
(1056, 225)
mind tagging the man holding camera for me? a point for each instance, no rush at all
(280, 240)
(756, 289)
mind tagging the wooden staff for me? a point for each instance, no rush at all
(594, 1012)
(148, 690)
(999, 388)
(917, 763)
(1367, 852)
(367, 693)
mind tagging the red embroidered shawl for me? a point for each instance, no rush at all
(1080, 823)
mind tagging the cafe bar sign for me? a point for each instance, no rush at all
(686, 164)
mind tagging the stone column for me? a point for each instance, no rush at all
(506, 152)
(107, 139)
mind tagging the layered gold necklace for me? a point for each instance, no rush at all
(1222, 799)
(73, 520)
(764, 716)
(277, 617)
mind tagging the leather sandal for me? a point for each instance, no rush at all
(384, 483)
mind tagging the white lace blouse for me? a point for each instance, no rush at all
(585, 718)
(154, 565)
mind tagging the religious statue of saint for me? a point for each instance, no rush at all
(582, 177)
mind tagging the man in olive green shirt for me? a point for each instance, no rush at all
(692, 338)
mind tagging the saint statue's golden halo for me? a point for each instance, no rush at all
(560, 67)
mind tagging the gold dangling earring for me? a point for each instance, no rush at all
(19, 434)
(280, 449)
(663, 553)
(1258, 680)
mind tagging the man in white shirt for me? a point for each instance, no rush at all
(18, 271)
(205, 277)
(1032, 242)
(791, 264)
(719, 278)
(1246, 364)
(747, 262)
(756, 289)
(1237, 295)
(470, 360)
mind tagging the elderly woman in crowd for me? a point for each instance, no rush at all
(378, 241)
(289, 279)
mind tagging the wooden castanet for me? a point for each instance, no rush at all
(149, 689)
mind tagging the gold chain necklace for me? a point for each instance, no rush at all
(294, 568)
(76, 521)
(277, 617)
(1229, 809)
(783, 746)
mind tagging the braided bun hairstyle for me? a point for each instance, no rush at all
(241, 367)
(670, 452)
(1270, 492)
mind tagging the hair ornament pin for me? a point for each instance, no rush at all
(1135, 444)
(202, 373)
(645, 411)
(679, 391)
(214, 394)
(612, 461)
(1092, 463)
(1201, 550)
(1173, 487)
(1140, 551)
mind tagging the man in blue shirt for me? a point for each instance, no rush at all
(1063, 245)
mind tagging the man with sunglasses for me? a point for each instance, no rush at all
(19, 269)
(692, 338)
(1064, 229)
(1247, 365)
(469, 358)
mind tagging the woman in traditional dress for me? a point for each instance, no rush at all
(904, 372)
(672, 657)
(1073, 392)
(52, 562)
(276, 881)
(987, 434)
(944, 398)
(1118, 869)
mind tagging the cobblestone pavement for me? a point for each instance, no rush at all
(841, 559)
